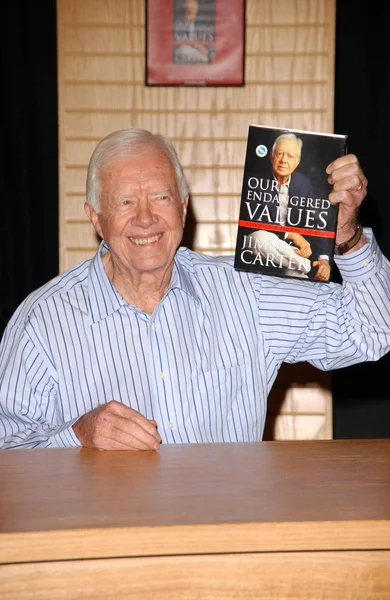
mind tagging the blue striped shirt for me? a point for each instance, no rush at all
(201, 365)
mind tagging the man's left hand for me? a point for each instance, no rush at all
(349, 190)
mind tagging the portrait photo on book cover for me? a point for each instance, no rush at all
(194, 28)
(285, 196)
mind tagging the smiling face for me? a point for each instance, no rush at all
(141, 215)
(191, 9)
(285, 159)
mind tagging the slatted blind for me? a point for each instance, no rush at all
(289, 74)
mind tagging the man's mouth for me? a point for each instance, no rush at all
(146, 240)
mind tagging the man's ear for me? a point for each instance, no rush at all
(184, 210)
(93, 217)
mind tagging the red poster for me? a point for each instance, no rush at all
(195, 42)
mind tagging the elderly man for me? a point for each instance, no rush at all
(149, 342)
(285, 157)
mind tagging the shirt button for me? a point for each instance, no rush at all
(365, 264)
(374, 254)
(162, 376)
(170, 425)
(154, 326)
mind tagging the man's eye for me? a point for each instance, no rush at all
(124, 202)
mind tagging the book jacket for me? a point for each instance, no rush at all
(287, 226)
(195, 42)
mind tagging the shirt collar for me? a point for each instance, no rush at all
(183, 274)
(104, 299)
(287, 182)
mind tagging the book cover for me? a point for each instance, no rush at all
(287, 226)
(195, 42)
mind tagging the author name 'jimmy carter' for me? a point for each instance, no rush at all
(269, 254)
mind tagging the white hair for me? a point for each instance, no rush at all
(125, 143)
(288, 137)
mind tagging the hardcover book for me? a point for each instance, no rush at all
(287, 226)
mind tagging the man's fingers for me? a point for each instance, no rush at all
(116, 426)
(112, 444)
(348, 161)
(304, 248)
(117, 439)
(351, 183)
(345, 173)
(323, 271)
(137, 436)
(304, 252)
(129, 414)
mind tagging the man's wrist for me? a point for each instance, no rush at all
(346, 231)
(350, 242)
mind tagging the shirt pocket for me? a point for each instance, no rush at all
(224, 402)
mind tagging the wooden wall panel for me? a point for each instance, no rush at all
(101, 68)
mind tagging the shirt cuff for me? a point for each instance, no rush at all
(65, 436)
(362, 264)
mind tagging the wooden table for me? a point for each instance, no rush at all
(251, 521)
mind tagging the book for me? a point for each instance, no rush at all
(287, 226)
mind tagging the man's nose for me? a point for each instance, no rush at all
(144, 216)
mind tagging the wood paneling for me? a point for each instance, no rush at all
(289, 72)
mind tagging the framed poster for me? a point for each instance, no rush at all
(195, 42)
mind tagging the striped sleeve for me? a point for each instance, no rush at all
(330, 325)
(28, 390)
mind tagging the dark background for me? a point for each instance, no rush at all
(29, 168)
(361, 393)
